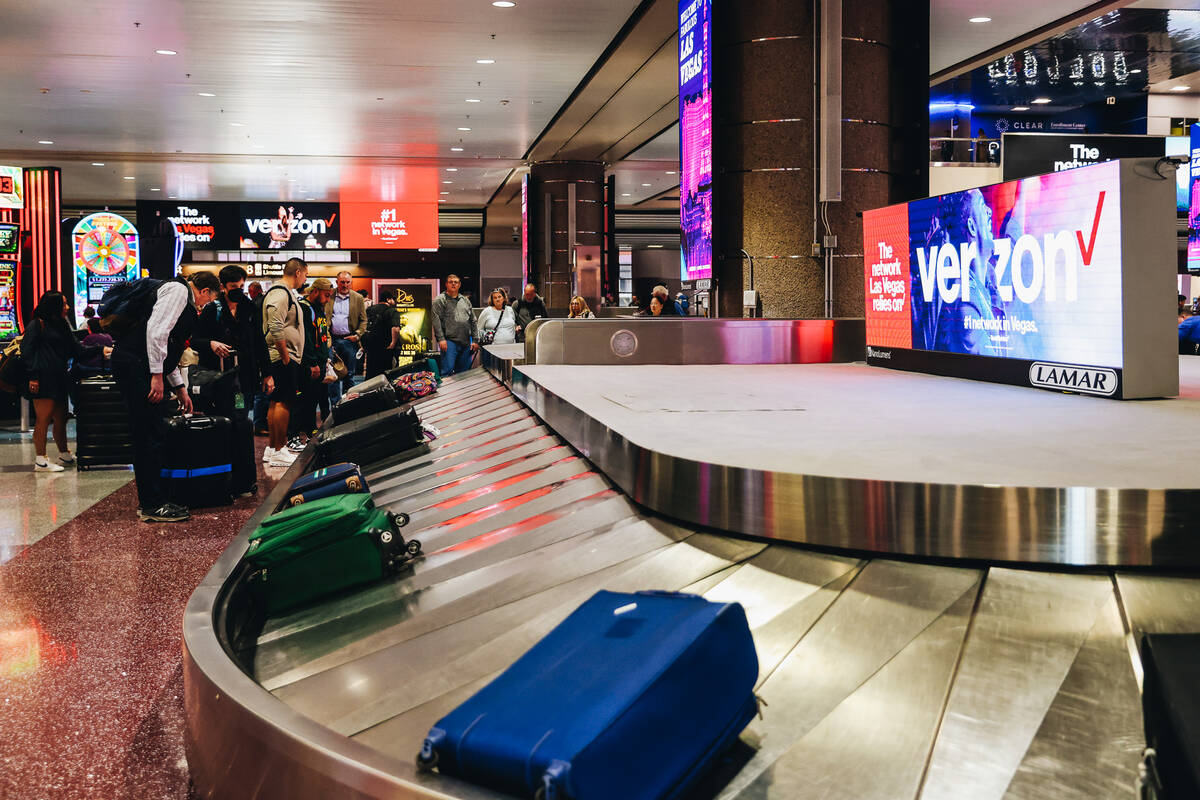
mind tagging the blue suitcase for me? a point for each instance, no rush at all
(631, 697)
(344, 478)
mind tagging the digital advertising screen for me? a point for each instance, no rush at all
(1193, 243)
(12, 187)
(10, 239)
(1026, 154)
(9, 328)
(106, 252)
(289, 226)
(414, 302)
(524, 231)
(1181, 146)
(201, 226)
(1026, 274)
(695, 139)
(389, 226)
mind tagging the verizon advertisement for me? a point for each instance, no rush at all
(290, 226)
(389, 226)
(1020, 282)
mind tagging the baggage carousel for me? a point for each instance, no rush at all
(886, 671)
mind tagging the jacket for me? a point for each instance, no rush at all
(453, 319)
(529, 310)
(358, 314)
(242, 332)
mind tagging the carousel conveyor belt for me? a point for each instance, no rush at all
(881, 678)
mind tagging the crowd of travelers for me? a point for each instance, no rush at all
(289, 352)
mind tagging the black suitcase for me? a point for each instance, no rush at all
(212, 392)
(394, 433)
(358, 405)
(1171, 710)
(102, 434)
(198, 461)
(243, 477)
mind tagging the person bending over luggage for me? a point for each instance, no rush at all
(314, 364)
(145, 362)
(229, 324)
(453, 327)
(48, 346)
(383, 332)
(497, 324)
(283, 327)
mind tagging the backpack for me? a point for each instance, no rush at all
(126, 304)
(379, 325)
(415, 385)
(12, 369)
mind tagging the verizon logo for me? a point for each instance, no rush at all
(1091, 380)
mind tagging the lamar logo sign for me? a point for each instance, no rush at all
(1091, 380)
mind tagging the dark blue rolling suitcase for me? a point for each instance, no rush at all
(344, 478)
(631, 697)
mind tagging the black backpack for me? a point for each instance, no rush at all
(379, 325)
(126, 304)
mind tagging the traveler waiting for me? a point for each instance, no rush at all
(347, 315)
(670, 307)
(579, 309)
(145, 361)
(314, 392)
(283, 327)
(96, 338)
(453, 327)
(232, 324)
(89, 314)
(383, 331)
(529, 306)
(49, 344)
(497, 324)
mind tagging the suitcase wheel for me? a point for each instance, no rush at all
(413, 548)
(353, 484)
(296, 500)
(427, 763)
(399, 519)
(385, 537)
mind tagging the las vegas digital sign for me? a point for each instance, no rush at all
(1059, 281)
(695, 139)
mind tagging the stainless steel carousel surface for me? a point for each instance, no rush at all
(881, 678)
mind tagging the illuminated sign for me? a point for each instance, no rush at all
(1023, 155)
(389, 226)
(106, 251)
(695, 139)
(10, 238)
(12, 187)
(1024, 282)
(1193, 244)
(290, 226)
(525, 231)
(201, 226)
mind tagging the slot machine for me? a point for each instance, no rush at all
(106, 252)
(10, 264)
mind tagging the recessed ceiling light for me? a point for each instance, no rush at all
(172, 197)
(237, 124)
(474, 100)
(166, 52)
(97, 163)
(130, 178)
(626, 194)
(156, 190)
(456, 149)
(1020, 108)
(451, 169)
(503, 3)
(669, 172)
(485, 61)
(979, 19)
(206, 94)
(441, 199)
(654, 245)
(647, 184)
(1041, 101)
(447, 182)
(1173, 89)
(45, 141)
(464, 129)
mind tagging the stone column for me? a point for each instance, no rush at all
(554, 271)
(766, 103)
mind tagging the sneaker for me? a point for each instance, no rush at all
(39, 466)
(167, 512)
(267, 453)
(296, 444)
(67, 458)
(281, 458)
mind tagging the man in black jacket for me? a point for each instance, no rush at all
(145, 363)
(528, 307)
(232, 323)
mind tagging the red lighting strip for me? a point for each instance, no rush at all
(43, 207)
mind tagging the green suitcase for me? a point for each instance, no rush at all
(320, 548)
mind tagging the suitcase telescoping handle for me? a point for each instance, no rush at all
(665, 593)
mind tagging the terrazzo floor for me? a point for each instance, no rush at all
(90, 645)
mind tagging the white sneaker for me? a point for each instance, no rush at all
(268, 452)
(67, 458)
(48, 467)
(281, 458)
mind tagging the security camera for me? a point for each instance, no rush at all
(516, 233)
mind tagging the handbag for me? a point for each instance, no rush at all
(339, 367)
